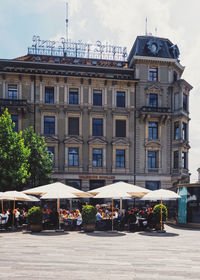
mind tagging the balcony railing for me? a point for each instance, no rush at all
(13, 102)
(149, 109)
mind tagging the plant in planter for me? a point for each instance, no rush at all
(157, 215)
(89, 217)
(35, 216)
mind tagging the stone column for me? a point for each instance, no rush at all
(41, 93)
(4, 89)
(66, 94)
(32, 92)
(81, 95)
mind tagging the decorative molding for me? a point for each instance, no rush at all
(97, 141)
(154, 89)
(73, 140)
(49, 138)
(120, 141)
(152, 143)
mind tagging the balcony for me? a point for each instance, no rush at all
(163, 113)
(149, 109)
(14, 103)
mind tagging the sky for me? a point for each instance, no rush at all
(118, 22)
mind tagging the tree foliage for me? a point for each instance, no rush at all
(13, 156)
(40, 161)
(89, 214)
(157, 212)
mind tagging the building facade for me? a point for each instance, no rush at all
(105, 120)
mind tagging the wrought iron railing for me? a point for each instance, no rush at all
(150, 109)
(13, 102)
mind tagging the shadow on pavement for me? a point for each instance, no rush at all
(103, 233)
(180, 227)
(158, 234)
(46, 233)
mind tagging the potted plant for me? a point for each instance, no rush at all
(35, 216)
(89, 217)
(157, 215)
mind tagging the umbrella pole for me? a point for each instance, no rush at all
(120, 205)
(58, 209)
(2, 205)
(13, 212)
(112, 215)
(70, 204)
(161, 222)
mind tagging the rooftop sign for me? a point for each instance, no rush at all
(77, 49)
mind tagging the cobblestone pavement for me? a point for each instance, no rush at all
(101, 255)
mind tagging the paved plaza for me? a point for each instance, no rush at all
(101, 255)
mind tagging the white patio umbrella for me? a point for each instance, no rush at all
(50, 187)
(58, 193)
(161, 194)
(33, 198)
(119, 190)
(1, 201)
(15, 196)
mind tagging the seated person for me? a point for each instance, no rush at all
(132, 220)
(3, 218)
(79, 219)
(71, 214)
(98, 216)
(99, 220)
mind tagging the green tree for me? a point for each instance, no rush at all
(40, 161)
(13, 156)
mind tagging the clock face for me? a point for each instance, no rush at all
(154, 48)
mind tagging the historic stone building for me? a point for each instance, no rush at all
(105, 120)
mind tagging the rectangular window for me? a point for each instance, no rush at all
(12, 92)
(153, 100)
(73, 124)
(153, 74)
(74, 183)
(153, 130)
(73, 96)
(51, 152)
(97, 127)
(184, 131)
(97, 157)
(185, 102)
(184, 160)
(120, 99)
(152, 185)
(152, 159)
(15, 121)
(49, 95)
(176, 130)
(73, 157)
(176, 160)
(49, 125)
(97, 98)
(120, 128)
(120, 158)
